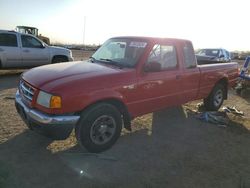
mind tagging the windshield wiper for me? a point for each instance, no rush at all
(109, 60)
(112, 62)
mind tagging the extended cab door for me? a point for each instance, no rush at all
(160, 82)
(190, 78)
(10, 55)
(34, 53)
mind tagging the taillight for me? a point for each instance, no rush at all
(239, 70)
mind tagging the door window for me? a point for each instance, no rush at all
(30, 42)
(7, 39)
(163, 54)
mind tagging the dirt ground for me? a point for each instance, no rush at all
(169, 148)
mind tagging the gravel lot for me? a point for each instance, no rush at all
(169, 148)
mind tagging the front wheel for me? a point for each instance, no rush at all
(99, 127)
(215, 99)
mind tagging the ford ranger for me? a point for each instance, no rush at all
(125, 78)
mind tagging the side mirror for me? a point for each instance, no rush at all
(152, 67)
(43, 45)
(221, 56)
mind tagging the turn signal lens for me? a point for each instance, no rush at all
(55, 102)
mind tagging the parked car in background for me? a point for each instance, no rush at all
(19, 50)
(215, 55)
(234, 55)
(242, 56)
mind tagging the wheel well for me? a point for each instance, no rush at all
(1, 66)
(224, 82)
(122, 109)
(60, 56)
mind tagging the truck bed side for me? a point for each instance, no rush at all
(214, 73)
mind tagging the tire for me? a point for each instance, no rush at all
(215, 99)
(99, 127)
(238, 91)
(59, 59)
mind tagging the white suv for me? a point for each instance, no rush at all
(22, 50)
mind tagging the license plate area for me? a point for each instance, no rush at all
(21, 112)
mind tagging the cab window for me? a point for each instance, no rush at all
(30, 42)
(165, 55)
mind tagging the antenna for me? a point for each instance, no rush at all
(84, 30)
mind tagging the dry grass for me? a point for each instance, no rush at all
(11, 72)
(10, 124)
(80, 55)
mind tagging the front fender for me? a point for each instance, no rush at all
(76, 103)
(102, 95)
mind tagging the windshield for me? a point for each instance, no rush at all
(209, 52)
(121, 52)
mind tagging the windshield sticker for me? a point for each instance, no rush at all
(137, 44)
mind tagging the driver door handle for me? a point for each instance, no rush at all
(1, 50)
(26, 51)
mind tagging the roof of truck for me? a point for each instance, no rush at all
(13, 31)
(6, 31)
(153, 38)
(26, 27)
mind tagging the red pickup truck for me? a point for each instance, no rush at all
(125, 78)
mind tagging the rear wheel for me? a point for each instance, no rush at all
(215, 99)
(238, 91)
(59, 59)
(99, 127)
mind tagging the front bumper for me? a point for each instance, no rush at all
(71, 58)
(55, 126)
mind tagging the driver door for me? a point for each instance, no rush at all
(33, 52)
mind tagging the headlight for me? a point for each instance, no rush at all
(49, 101)
(70, 53)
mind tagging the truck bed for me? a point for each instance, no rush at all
(209, 76)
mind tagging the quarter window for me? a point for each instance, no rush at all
(189, 57)
(163, 54)
(7, 39)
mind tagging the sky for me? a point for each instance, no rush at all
(207, 23)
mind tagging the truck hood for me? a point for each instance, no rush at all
(57, 48)
(66, 72)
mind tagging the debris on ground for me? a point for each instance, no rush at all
(219, 118)
(243, 88)
(243, 83)
(9, 98)
(232, 110)
(200, 106)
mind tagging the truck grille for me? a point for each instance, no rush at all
(26, 90)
